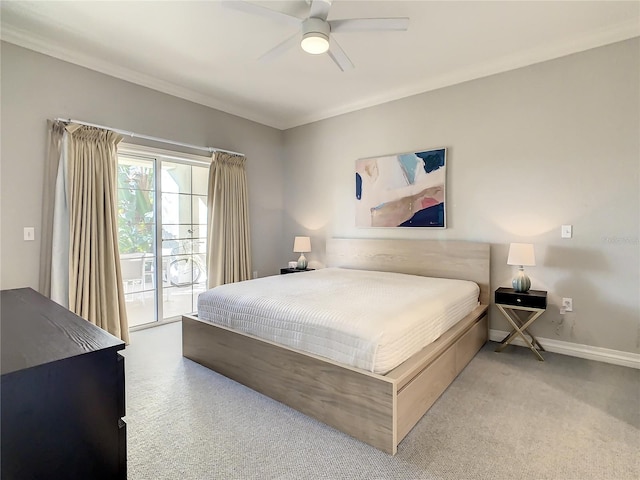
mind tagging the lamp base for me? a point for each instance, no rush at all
(521, 283)
(302, 262)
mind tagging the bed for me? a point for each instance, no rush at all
(379, 409)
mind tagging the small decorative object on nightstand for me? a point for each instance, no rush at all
(509, 302)
(302, 245)
(521, 254)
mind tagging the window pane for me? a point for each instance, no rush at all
(135, 173)
(140, 308)
(176, 177)
(177, 301)
(138, 203)
(183, 271)
(176, 209)
(200, 176)
(136, 198)
(185, 279)
(199, 209)
(170, 231)
(135, 237)
(199, 247)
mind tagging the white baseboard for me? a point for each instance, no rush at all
(616, 357)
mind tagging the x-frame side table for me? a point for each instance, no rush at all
(510, 303)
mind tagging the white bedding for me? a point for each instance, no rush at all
(365, 319)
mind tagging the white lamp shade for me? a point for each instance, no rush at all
(521, 254)
(302, 244)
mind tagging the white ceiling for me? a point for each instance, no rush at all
(208, 53)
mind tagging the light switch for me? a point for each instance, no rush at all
(29, 233)
(567, 231)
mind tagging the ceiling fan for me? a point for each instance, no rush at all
(316, 30)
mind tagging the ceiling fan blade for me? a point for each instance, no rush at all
(261, 11)
(282, 47)
(320, 9)
(337, 55)
(369, 24)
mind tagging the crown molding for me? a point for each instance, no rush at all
(29, 40)
(604, 36)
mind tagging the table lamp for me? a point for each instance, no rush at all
(521, 254)
(302, 245)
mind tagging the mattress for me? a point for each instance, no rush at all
(365, 319)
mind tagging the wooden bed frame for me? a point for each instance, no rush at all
(377, 409)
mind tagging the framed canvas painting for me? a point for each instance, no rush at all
(403, 190)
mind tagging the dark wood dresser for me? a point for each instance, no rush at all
(62, 393)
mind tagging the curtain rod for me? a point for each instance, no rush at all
(148, 137)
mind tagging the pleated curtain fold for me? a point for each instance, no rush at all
(84, 227)
(229, 246)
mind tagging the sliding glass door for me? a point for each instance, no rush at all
(162, 224)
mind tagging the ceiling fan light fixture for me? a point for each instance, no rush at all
(315, 36)
(315, 43)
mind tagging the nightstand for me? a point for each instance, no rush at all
(284, 271)
(510, 302)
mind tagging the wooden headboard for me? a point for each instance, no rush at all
(429, 258)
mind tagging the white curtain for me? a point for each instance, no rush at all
(60, 238)
(229, 246)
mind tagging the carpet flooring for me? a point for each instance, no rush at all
(506, 416)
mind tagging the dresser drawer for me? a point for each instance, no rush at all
(530, 299)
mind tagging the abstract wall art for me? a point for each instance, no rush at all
(403, 190)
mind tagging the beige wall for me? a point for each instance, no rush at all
(36, 87)
(527, 151)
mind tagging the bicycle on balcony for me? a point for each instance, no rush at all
(185, 267)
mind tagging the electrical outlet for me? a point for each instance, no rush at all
(255, 274)
(567, 304)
